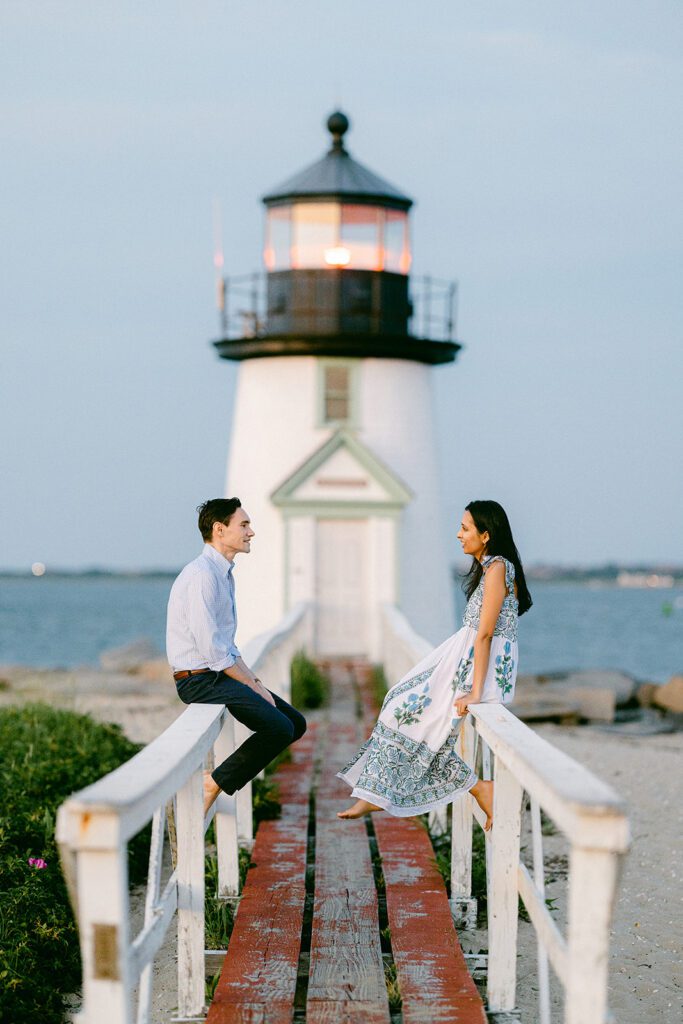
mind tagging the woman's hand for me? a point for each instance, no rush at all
(462, 703)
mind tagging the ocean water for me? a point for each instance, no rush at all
(64, 622)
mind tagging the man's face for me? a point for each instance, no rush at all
(234, 536)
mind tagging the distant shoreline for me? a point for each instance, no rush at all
(607, 574)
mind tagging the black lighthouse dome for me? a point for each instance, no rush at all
(337, 257)
(336, 175)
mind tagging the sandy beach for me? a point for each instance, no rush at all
(646, 972)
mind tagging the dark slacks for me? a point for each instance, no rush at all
(274, 728)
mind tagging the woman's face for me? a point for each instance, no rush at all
(473, 542)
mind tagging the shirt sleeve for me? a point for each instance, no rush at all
(212, 628)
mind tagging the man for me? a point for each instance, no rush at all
(206, 664)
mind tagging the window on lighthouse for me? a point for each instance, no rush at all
(337, 397)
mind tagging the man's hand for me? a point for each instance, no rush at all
(244, 675)
(257, 686)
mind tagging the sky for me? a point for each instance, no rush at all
(542, 145)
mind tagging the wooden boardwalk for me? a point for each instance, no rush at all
(335, 914)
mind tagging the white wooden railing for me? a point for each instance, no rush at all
(95, 826)
(585, 810)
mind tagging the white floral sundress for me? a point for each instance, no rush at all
(409, 765)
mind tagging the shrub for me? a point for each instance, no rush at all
(47, 754)
(310, 686)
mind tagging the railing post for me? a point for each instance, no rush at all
(593, 878)
(227, 849)
(190, 828)
(502, 887)
(464, 908)
(104, 932)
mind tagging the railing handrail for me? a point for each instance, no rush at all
(262, 644)
(95, 824)
(566, 790)
(135, 789)
(564, 787)
(585, 810)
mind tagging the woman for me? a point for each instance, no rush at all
(409, 764)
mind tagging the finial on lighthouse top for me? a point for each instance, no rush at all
(338, 124)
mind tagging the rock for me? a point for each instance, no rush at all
(128, 657)
(650, 723)
(597, 704)
(670, 695)
(623, 686)
(535, 706)
(156, 670)
(645, 694)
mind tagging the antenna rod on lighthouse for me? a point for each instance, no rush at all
(218, 262)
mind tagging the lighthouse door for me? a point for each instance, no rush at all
(341, 586)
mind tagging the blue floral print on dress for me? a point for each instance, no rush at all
(411, 710)
(504, 667)
(506, 624)
(460, 681)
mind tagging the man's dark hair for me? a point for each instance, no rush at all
(216, 510)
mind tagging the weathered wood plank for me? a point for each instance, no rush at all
(259, 975)
(435, 984)
(335, 1012)
(346, 959)
(346, 980)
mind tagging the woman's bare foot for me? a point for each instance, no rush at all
(482, 792)
(211, 791)
(360, 808)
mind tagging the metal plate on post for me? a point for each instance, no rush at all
(105, 952)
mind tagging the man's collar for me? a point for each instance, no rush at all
(223, 563)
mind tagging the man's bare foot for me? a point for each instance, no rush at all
(360, 808)
(483, 794)
(211, 791)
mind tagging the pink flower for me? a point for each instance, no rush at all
(37, 862)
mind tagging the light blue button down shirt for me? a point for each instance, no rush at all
(202, 616)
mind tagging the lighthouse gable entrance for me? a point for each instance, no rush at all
(341, 512)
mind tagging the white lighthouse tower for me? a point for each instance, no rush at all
(333, 447)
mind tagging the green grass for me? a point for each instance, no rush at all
(379, 685)
(393, 988)
(442, 856)
(219, 915)
(310, 686)
(47, 754)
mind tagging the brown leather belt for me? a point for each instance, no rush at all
(190, 672)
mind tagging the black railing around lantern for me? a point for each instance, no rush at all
(244, 309)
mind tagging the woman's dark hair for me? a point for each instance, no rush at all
(489, 517)
(216, 510)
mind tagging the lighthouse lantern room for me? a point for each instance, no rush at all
(333, 447)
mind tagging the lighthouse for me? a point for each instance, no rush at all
(333, 447)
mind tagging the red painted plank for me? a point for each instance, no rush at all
(436, 986)
(258, 980)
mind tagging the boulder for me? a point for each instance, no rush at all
(669, 696)
(623, 686)
(597, 704)
(127, 657)
(535, 705)
(156, 670)
(649, 722)
(645, 694)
